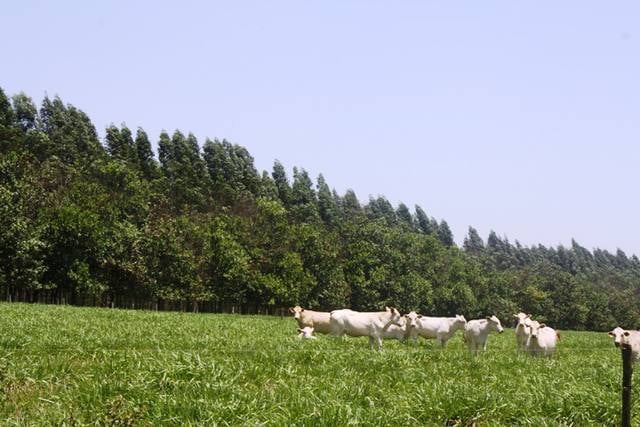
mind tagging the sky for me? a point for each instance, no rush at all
(517, 117)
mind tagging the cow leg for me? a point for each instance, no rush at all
(371, 341)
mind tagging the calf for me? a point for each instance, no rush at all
(372, 325)
(542, 339)
(440, 328)
(306, 333)
(318, 320)
(477, 331)
(632, 338)
(522, 330)
(395, 332)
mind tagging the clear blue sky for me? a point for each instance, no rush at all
(518, 117)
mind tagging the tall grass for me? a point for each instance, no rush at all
(64, 365)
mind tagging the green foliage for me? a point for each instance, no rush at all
(146, 161)
(233, 176)
(281, 181)
(473, 243)
(444, 234)
(25, 111)
(205, 231)
(327, 204)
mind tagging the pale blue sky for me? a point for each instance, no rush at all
(513, 116)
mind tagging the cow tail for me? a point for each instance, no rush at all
(558, 335)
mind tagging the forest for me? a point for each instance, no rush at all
(103, 222)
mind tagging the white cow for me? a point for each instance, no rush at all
(306, 333)
(440, 328)
(318, 320)
(372, 325)
(477, 331)
(522, 330)
(404, 332)
(542, 339)
(621, 336)
(395, 332)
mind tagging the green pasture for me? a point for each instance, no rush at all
(79, 366)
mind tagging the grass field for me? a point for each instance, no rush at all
(64, 365)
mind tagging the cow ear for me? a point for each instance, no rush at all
(611, 334)
(516, 316)
(542, 325)
(419, 316)
(299, 330)
(528, 316)
(387, 308)
(291, 310)
(488, 317)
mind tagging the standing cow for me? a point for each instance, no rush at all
(372, 325)
(542, 339)
(440, 328)
(621, 336)
(318, 320)
(477, 331)
(522, 330)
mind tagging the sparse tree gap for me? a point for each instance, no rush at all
(105, 223)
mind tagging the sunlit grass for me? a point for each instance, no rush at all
(83, 365)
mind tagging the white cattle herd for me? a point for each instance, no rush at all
(531, 336)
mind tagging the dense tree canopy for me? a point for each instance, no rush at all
(92, 222)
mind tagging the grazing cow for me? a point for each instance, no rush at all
(372, 325)
(477, 331)
(318, 320)
(440, 328)
(542, 339)
(306, 333)
(621, 336)
(522, 330)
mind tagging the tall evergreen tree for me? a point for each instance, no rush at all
(25, 111)
(115, 145)
(350, 204)
(304, 201)
(422, 221)
(267, 187)
(473, 243)
(166, 152)
(326, 202)
(444, 233)
(146, 161)
(381, 208)
(404, 216)
(279, 176)
(70, 131)
(6, 112)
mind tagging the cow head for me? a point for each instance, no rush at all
(522, 321)
(412, 319)
(618, 335)
(395, 318)
(494, 324)
(535, 328)
(296, 311)
(459, 322)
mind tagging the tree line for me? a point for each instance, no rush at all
(105, 223)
